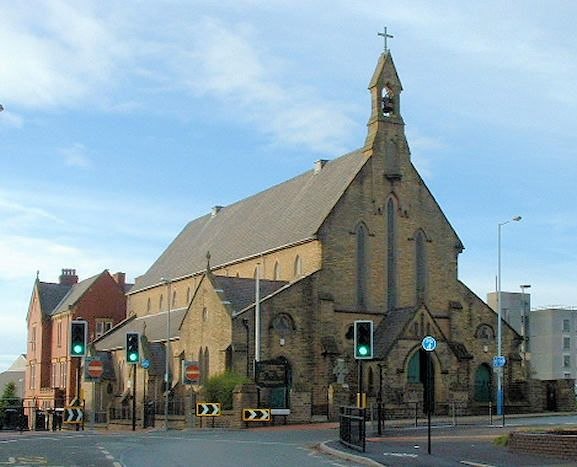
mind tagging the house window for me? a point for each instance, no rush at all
(566, 325)
(391, 257)
(103, 326)
(361, 234)
(33, 340)
(62, 374)
(566, 361)
(32, 376)
(59, 333)
(566, 343)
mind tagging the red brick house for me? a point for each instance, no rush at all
(51, 373)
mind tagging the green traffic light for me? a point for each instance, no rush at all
(133, 357)
(78, 349)
(363, 350)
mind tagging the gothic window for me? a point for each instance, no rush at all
(391, 256)
(283, 324)
(298, 267)
(276, 271)
(485, 332)
(160, 302)
(414, 369)
(206, 370)
(201, 364)
(148, 305)
(187, 295)
(388, 103)
(173, 302)
(361, 284)
(420, 266)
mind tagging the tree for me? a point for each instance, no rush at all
(9, 396)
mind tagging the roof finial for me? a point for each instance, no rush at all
(208, 261)
(385, 36)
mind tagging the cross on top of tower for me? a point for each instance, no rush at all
(385, 36)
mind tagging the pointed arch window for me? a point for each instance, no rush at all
(160, 302)
(187, 295)
(391, 256)
(276, 271)
(362, 267)
(173, 301)
(298, 267)
(420, 266)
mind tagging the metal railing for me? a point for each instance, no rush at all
(352, 428)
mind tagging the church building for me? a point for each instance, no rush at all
(359, 237)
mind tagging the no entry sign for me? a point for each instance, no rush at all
(190, 372)
(94, 368)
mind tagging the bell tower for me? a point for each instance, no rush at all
(386, 134)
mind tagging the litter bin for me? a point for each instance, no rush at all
(40, 424)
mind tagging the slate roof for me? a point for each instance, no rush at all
(51, 295)
(285, 214)
(153, 326)
(390, 328)
(74, 294)
(240, 292)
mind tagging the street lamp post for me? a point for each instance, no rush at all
(524, 318)
(167, 356)
(499, 312)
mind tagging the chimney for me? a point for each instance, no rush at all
(319, 165)
(68, 277)
(120, 278)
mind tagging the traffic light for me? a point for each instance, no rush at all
(78, 334)
(363, 340)
(132, 348)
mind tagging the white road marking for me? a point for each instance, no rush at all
(400, 454)
(476, 464)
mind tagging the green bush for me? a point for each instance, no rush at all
(219, 388)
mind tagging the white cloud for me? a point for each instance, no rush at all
(227, 64)
(76, 156)
(55, 53)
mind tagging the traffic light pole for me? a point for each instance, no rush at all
(360, 398)
(133, 397)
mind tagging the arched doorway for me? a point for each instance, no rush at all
(417, 374)
(483, 384)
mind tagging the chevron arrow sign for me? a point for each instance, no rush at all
(256, 415)
(73, 415)
(208, 409)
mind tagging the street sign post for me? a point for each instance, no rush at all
(429, 344)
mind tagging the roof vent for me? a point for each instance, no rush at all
(215, 210)
(320, 164)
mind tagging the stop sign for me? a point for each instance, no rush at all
(95, 368)
(192, 373)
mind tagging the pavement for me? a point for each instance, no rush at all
(454, 442)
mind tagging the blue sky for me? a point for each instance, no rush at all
(125, 120)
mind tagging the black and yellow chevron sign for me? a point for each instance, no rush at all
(73, 415)
(256, 415)
(208, 409)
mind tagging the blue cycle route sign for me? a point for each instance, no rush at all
(499, 361)
(429, 343)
